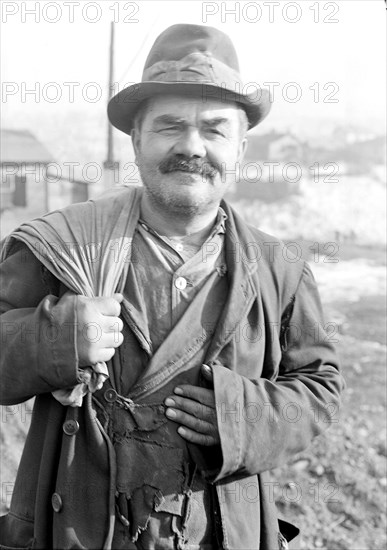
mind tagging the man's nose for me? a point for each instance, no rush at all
(191, 144)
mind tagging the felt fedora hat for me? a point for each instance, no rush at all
(190, 60)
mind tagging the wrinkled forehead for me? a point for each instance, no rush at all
(189, 109)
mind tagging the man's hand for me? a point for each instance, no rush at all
(99, 328)
(98, 334)
(194, 408)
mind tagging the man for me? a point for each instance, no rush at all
(218, 365)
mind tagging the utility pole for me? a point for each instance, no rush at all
(110, 165)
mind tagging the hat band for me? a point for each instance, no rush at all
(195, 67)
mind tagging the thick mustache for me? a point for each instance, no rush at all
(184, 164)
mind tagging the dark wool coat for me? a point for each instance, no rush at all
(276, 384)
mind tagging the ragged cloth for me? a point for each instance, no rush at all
(87, 247)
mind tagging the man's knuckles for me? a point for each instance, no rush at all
(110, 306)
(116, 326)
(112, 324)
(97, 346)
(118, 339)
(94, 340)
(90, 308)
(99, 328)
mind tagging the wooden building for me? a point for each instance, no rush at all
(23, 161)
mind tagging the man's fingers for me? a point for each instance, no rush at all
(202, 395)
(198, 421)
(112, 339)
(113, 324)
(94, 334)
(199, 424)
(99, 328)
(110, 306)
(197, 438)
(193, 408)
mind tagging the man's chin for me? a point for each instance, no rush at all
(181, 193)
(187, 201)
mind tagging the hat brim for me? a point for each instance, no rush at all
(123, 106)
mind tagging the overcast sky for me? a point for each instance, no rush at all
(334, 52)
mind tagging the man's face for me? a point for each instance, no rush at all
(187, 151)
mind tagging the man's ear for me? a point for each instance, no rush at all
(135, 135)
(242, 149)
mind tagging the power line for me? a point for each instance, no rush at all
(140, 48)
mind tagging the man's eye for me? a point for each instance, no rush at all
(169, 129)
(215, 131)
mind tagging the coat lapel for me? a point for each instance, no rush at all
(241, 266)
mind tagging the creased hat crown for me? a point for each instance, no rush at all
(190, 60)
(180, 40)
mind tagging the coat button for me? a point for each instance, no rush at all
(110, 395)
(56, 502)
(181, 283)
(70, 427)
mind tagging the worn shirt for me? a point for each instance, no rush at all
(164, 279)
